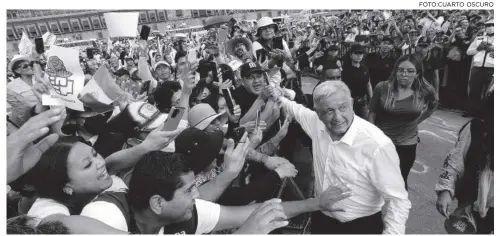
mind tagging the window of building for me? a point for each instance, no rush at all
(195, 13)
(99, 35)
(143, 18)
(85, 24)
(76, 26)
(65, 27)
(43, 29)
(203, 13)
(152, 17)
(32, 31)
(20, 32)
(259, 15)
(96, 23)
(179, 13)
(103, 22)
(161, 16)
(54, 28)
(10, 34)
(209, 12)
(270, 14)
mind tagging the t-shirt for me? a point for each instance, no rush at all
(398, 123)
(379, 67)
(356, 79)
(44, 207)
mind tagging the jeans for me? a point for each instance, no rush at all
(407, 155)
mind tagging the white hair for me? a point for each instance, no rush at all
(329, 88)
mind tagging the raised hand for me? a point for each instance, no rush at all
(332, 195)
(22, 155)
(234, 157)
(158, 139)
(266, 218)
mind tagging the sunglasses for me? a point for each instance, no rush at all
(488, 25)
(25, 66)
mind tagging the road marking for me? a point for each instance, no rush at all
(425, 168)
(435, 135)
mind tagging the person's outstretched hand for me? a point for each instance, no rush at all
(158, 139)
(332, 195)
(266, 218)
(234, 157)
(22, 154)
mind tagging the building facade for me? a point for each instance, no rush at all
(90, 24)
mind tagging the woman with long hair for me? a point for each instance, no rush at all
(400, 104)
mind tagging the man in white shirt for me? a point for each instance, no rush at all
(481, 73)
(350, 151)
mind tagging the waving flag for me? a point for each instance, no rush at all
(25, 46)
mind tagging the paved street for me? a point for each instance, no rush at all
(437, 136)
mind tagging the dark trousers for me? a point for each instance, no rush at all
(480, 78)
(407, 155)
(322, 224)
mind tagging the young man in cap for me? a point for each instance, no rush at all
(357, 77)
(380, 64)
(129, 63)
(168, 204)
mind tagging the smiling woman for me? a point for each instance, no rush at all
(67, 178)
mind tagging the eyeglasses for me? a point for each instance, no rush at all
(334, 78)
(401, 71)
(488, 25)
(267, 27)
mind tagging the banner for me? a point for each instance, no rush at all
(123, 24)
(66, 76)
(49, 39)
(25, 45)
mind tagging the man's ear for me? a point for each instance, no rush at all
(156, 204)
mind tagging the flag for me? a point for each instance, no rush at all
(25, 46)
(100, 92)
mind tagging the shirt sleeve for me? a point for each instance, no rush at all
(473, 47)
(387, 179)
(44, 207)
(208, 216)
(107, 213)
(301, 114)
(453, 167)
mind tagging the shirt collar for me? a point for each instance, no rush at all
(349, 136)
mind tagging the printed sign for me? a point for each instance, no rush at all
(66, 76)
(123, 24)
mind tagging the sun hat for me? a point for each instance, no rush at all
(201, 115)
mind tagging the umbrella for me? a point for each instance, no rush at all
(216, 21)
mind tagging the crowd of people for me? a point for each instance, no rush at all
(202, 134)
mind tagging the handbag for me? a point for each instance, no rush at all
(454, 54)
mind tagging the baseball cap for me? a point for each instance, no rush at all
(160, 63)
(248, 68)
(201, 115)
(356, 47)
(199, 147)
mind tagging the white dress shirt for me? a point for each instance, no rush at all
(481, 58)
(365, 159)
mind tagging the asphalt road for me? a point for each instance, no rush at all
(438, 135)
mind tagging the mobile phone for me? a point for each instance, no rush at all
(40, 48)
(90, 53)
(257, 119)
(238, 134)
(174, 118)
(145, 32)
(278, 42)
(145, 87)
(229, 102)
